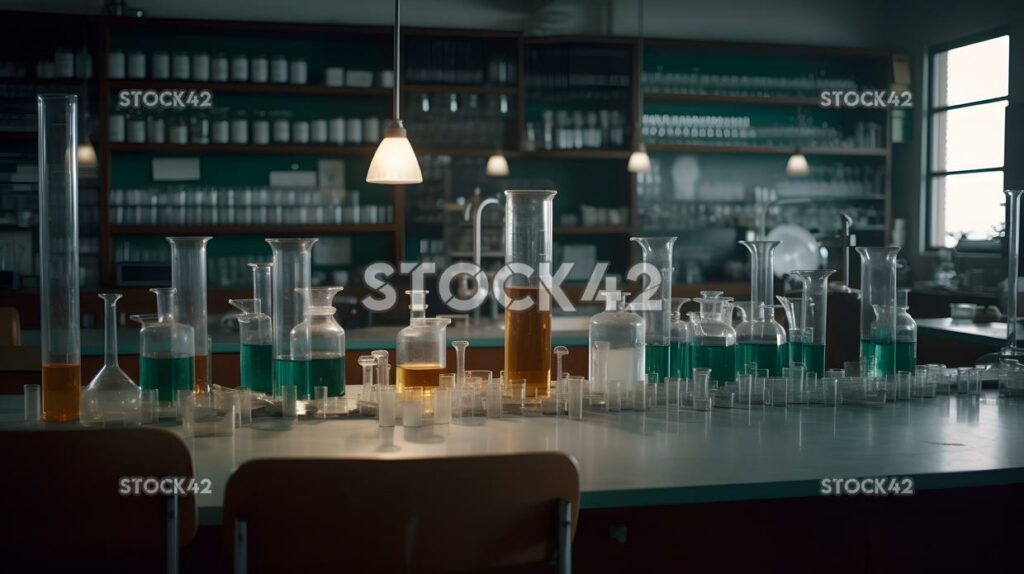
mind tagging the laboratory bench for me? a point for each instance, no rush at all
(957, 343)
(699, 486)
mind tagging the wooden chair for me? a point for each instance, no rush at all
(67, 506)
(507, 513)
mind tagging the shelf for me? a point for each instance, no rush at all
(462, 89)
(18, 136)
(575, 154)
(727, 99)
(247, 88)
(272, 149)
(606, 230)
(289, 229)
(763, 149)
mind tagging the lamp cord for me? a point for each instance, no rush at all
(398, 73)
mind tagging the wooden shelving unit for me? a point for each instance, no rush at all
(760, 149)
(248, 88)
(727, 99)
(219, 229)
(256, 149)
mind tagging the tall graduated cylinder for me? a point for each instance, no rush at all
(814, 305)
(760, 338)
(58, 248)
(291, 274)
(188, 277)
(528, 256)
(878, 290)
(656, 306)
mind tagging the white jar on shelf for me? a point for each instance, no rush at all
(181, 66)
(137, 65)
(300, 132)
(116, 65)
(354, 131)
(201, 67)
(336, 131)
(297, 71)
(239, 68)
(239, 128)
(318, 131)
(260, 128)
(116, 127)
(161, 66)
(220, 68)
(259, 70)
(279, 70)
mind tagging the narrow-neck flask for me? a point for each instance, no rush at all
(166, 350)
(112, 398)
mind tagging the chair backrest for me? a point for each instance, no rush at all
(10, 327)
(414, 515)
(65, 502)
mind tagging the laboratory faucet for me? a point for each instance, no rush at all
(475, 213)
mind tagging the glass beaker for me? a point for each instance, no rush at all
(877, 287)
(291, 271)
(906, 334)
(256, 345)
(166, 350)
(325, 339)
(58, 256)
(616, 342)
(188, 276)
(112, 398)
(656, 309)
(528, 255)
(760, 338)
(681, 338)
(420, 347)
(714, 339)
(814, 307)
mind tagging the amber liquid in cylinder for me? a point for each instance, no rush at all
(62, 389)
(528, 342)
(202, 384)
(418, 375)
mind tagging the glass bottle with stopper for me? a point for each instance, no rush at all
(420, 347)
(655, 305)
(760, 338)
(714, 338)
(112, 398)
(166, 350)
(617, 342)
(322, 339)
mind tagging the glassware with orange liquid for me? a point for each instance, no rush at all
(420, 347)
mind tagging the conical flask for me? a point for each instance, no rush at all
(112, 398)
(656, 304)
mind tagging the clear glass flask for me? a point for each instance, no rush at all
(188, 276)
(256, 345)
(714, 338)
(291, 272)
(814, 308)
(166, 350)
(681, 339)
(58, 257)
(420, 347)
(760, 338)
(326, 341)
(878, 288)
(906, 334)
(617, 339)
(112, 398)
(529, 228)
(657, 309)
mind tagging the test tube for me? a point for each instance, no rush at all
(460, 361)
(33, 411)
(150, 406)
(494, 400)
(559, 353)
(383, 367)
(244, 407)
(387, 405)
(289, 401)
(442, 397)
(575, 394)
(320, 395)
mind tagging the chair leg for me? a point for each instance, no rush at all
(241, 553)
(564, 525)
(172, 533)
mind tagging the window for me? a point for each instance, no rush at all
(970, 88)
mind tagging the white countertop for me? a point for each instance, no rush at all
(669, 456)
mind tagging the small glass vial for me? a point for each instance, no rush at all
(239, 127)
(279, 70)
(201, 67)
(259, 70)
(260, 128)
(282, 127)
(219, 68)
(161, 66)
(115, 65)
(137, 65)
(239, 68)
(336, 131)
(199, 129)
(178, 132)
(181, 66)
(318, 131)
(297, 71)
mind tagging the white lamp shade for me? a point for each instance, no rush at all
(797, 165)
(86, 154)
(639, 161)
(394, 163)
(497, 165)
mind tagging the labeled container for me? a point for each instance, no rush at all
(239, 68)
(181, 66)
(906, 334)
(136, 65)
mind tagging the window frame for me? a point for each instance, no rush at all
(930, 173)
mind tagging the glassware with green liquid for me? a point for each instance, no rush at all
(759, 337)
(906, 334)
(166, 350)
(322, 339)
(257, 350)
(714, 339)
(814, 318)
(655, 304)
(681, 339)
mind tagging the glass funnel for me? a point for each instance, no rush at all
(528, 255)
(656, 309)
(616, 342)
(420, 347)
(814, 308)
(326, 341)
(112, 398)
(291, 272)
(166, 350)
(261, 285)
(681, 339)
(188, 276)
(1007, 364)
(714, 339)
(761, 339)
(256, 345)
(906, 334)
(58, 257)
(877, 288)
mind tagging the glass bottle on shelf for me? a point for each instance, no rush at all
(325, 339)
(657, 310)
(420, 347)
(166, 350)
(291, 272)
(681, 339)
(714, 339)
(188, 277)
(906, 334)
(616, 342)
(112, 398)
(761, 339)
